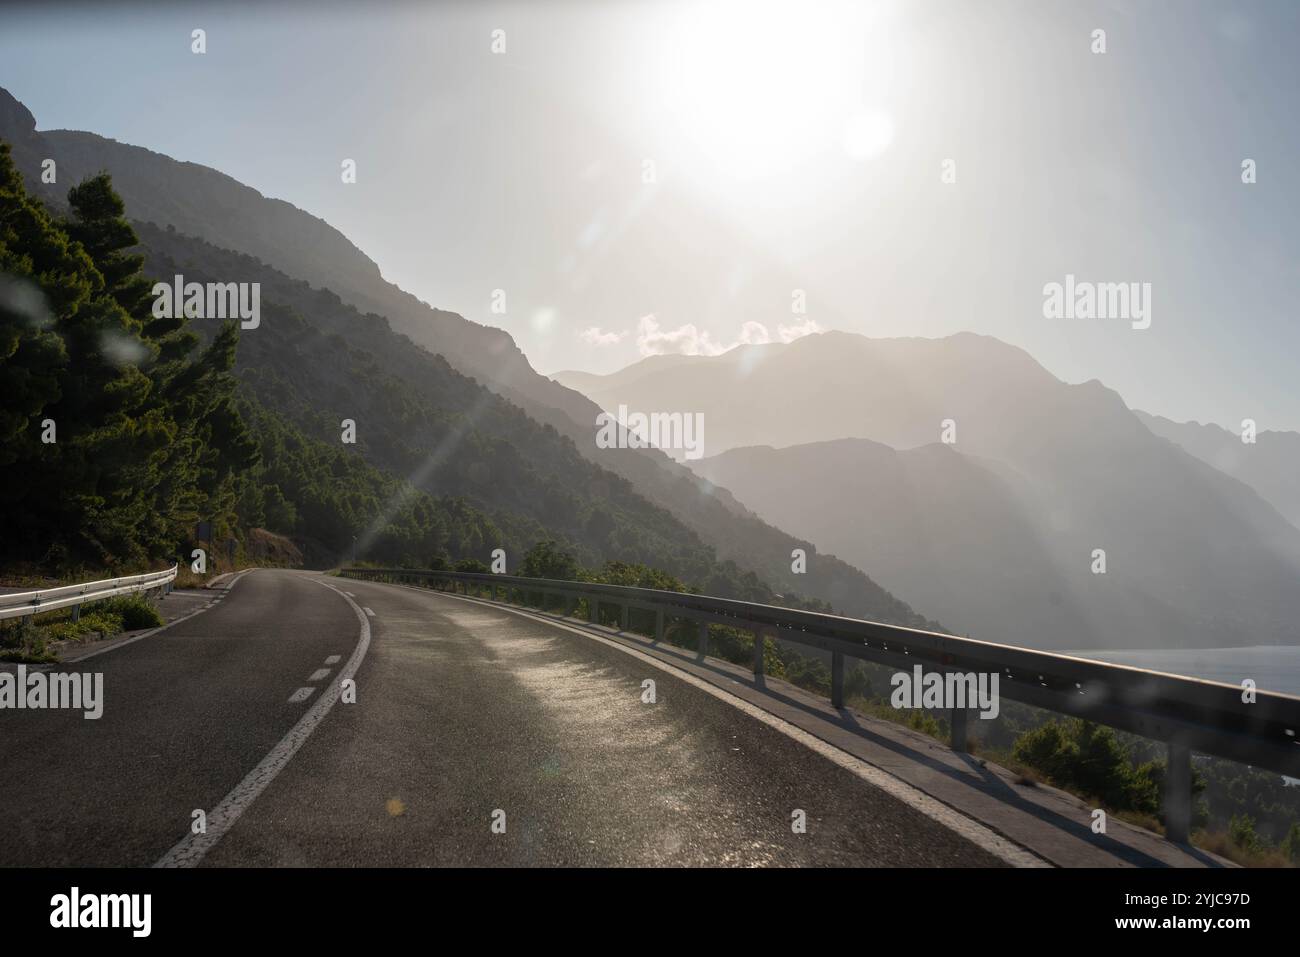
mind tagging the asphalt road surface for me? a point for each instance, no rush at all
(477, 737)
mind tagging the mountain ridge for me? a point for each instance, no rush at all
(1194, 554)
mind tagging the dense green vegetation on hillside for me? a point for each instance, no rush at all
(318, 360)
(116, 432)
(315, 360)
(122, 431)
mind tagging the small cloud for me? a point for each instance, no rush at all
(688, 340)
(653, 340)
(807, 327)
(595, 336)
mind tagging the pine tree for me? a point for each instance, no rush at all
(148, 437)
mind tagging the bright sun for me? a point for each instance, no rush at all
(759, 88)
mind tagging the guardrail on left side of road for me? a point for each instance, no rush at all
(25, 604)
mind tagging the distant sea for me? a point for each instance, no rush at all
(1271, 667)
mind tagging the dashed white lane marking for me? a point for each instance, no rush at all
(319, 674)
(333, 659)
(350, 594)
(370, 613)
(192, 848)
(972, 830)
(302, 694)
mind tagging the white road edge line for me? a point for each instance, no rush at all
(192, 848)
(972, 830)
(370, 613)
(148, 634)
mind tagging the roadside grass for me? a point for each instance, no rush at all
(185, 578)
(1224, 844)
(30, 642)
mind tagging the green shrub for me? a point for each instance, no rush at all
(1241, 829)
(101, 620)
(1089, 759)
(133, 611)
(1290, 845)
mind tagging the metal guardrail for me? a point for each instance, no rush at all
(1186, 714)
(25, 604)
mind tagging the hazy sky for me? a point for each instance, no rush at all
(793, 146)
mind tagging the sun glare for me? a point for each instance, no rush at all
(757, 89)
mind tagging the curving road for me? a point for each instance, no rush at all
(462, 710)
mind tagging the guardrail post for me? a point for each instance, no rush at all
(837, 679)
(593, 610)
(1178, 793)
(959, 741)
(622, 618)
(76, 613)
(760, 639)
(659, 625)
(703, 640)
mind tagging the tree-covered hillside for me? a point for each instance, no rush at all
(317, 361)
(120, 431)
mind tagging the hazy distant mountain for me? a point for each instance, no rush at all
(942, 529)
(1194, 557)
(1271, 465)
(837, 385)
